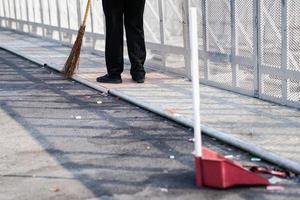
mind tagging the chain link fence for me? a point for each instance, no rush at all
(249, 47)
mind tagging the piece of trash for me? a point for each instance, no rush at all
(78, 117)
(229, 156)
(192, 140)
(148, 148)
(104, 94)
(255, 159)
(55, 189)
(99, 102)
(265, 170)
(275, 180)
(164, 189)
(172, 157)
(275, 188)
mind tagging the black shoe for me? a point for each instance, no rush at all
(107, 79)
(138, 79)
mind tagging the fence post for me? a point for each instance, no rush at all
(162, 29)
(42, 16)
(4, 13)
(1, 17)
(284, 52)
(186, 36)
(234, 43)
(69, 22)
(92, 29)
(15, 13)
(9, 14)
(79, 12)
(27, 17)
(257, 48)
(59, 20)
(204, 31)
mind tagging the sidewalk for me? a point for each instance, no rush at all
(263, 128)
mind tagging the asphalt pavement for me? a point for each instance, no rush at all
(62, 140)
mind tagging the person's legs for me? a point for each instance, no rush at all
(133, 13)
(114, 11)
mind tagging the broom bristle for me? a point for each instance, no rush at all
(73, 59)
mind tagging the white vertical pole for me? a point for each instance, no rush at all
(195, 80)
(186, 36)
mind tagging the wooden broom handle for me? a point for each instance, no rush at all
(86, 14)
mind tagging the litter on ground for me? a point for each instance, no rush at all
(255, 159)
(78, 117)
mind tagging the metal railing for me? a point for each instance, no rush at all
(248, 46)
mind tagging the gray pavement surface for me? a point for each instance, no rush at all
(268, 126)
(58, 141)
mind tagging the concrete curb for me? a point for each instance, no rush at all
(224, 137)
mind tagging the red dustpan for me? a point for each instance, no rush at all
(216, 171)
(212, 170)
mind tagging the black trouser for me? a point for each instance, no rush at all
(131, 12)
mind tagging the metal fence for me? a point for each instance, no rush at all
(248, 46)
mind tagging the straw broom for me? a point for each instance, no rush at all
(73, 59)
